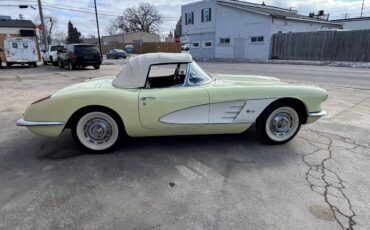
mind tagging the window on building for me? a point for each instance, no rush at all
(207, 44)
(195, 44)
(225, 41)
(257, 39)
(189, 18)
(206, 15)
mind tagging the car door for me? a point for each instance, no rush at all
(179, 106)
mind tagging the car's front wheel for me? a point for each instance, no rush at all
(97, 131)
(278, 124)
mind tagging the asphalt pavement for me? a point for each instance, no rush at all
(320, 180)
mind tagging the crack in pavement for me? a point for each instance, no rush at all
(326, 182)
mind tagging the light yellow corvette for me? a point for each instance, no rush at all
(169, 94)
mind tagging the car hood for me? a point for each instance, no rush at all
(245, 79)
(101, 82)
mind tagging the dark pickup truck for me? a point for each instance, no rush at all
(79, 55)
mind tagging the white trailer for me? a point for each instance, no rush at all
(20, 51)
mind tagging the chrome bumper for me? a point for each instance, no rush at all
(318, 114)
(22, 122)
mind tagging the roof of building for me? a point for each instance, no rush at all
(273, 11)
(17, 23)
(90, 40)
(135, 73)
(116, 35)
(352, 19)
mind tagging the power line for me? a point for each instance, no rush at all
(81, 10)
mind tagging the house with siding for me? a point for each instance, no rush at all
(232, 29)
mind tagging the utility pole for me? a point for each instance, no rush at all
(45, 33)
(97, 26)
(362, 8)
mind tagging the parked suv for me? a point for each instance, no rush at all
(79, 55)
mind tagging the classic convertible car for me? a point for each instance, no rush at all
(169, 94)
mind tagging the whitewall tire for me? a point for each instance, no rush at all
(97, 131)
(278, 124)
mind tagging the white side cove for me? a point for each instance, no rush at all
(220, 113)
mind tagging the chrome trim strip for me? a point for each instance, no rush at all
(22, 122)
(318, 114)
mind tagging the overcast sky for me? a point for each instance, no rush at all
(168, 9)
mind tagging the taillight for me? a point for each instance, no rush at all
(42, 99)
(73, 56)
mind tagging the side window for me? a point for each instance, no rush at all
(206, 15)
(257, 39)
(225, 41)
(207, 44)
(195, 45)
(189, 18)
(169, 75)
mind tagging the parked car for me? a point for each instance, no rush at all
(116, 54)
(51, 54)
(185, 47)
(79, 55)
(169, 94)
(129, 49)
(20, 51)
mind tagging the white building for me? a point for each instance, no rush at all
(362, 23)
(230, 29)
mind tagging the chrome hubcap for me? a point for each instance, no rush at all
(97, 130)
(281, 124)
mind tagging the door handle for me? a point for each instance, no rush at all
(145, 98)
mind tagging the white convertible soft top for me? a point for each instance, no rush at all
(135, 73)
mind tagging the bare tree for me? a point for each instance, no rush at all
(143, 17)
(50, 24)
(59, 37)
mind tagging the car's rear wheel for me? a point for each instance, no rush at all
(97, 131)
(96, 66)
(278, 124)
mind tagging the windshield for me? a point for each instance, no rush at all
(119, 50)
(198, 76)
(86, 50)
(56, 48)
